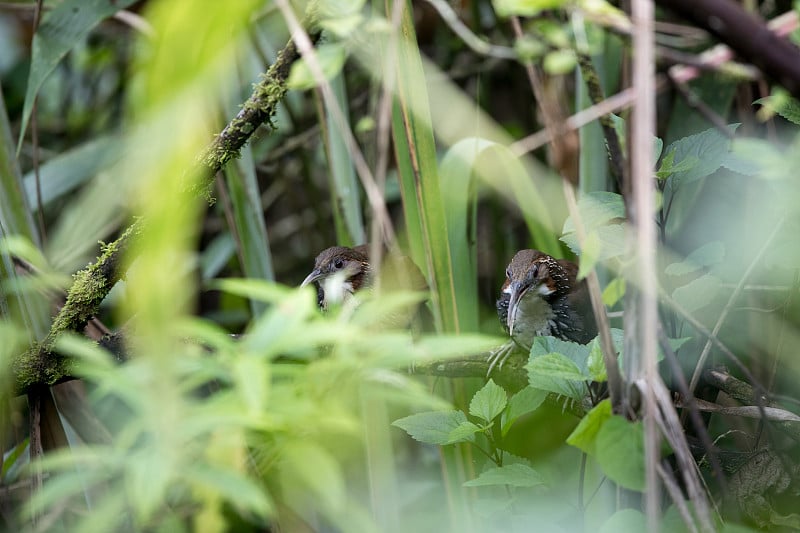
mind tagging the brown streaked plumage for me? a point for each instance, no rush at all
(541, 296)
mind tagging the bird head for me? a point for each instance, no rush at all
(339, 271)
(529, 272)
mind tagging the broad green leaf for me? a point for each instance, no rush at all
(709, 147)
(563, 369)
(488, 402)
(432, 427)
(698, 293)
(584, 435)
(612, 241)
(707, 255)
(515, 475)
(523, 402)
(597, 209)
(464, 432)
(668, 166)
(614, 291)
(619, 450)
(625, 521)
(331, 58)
(555, 365)
(59, 31)
(782, 104)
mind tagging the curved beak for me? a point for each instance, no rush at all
(518, 290)
(312, 277)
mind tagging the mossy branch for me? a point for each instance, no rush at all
(40, 365)
(257, 110)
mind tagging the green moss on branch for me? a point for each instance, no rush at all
(40, 365)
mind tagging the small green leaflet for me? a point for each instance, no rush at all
(782, 104)
(488, 402)
(525, 401)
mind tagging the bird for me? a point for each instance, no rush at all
(542, 296)
(340, 271)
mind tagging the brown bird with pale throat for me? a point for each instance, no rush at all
(339, 272)
(542, 296)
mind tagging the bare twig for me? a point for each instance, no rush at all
(475, 43)
(641, 327)
(758, 43)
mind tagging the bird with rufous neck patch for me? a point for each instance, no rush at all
(542, 296)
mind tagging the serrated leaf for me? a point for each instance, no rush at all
(488, 402)
(614, 291)
(464, 432)
(556, 365)
(591, 254)
(619, 450)
(668, 166)
(523, 402)
(577, 354)
(709, 147)
(516, 475)
(584, 435)
(60, 30)
(596, 209)
(709, 254)
(698, 293)
(432, 427)
(331, 58)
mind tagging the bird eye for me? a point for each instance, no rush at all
(508, 273)
(338, 264)
(535, 271)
